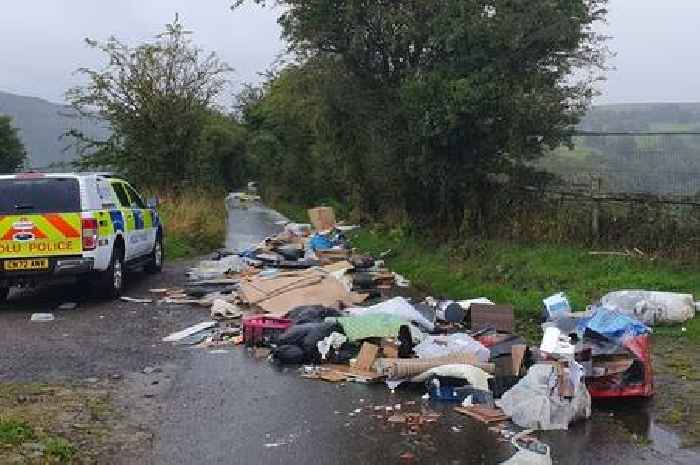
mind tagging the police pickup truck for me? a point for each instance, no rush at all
(92, 226)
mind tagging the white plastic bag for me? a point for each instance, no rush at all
(458, 343)
(475, 376)
(398, 306)
(528, 457)
(530, 404)
(651, 307)
(335, 340)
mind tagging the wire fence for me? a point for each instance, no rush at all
(659, 166)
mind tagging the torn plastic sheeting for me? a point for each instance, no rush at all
(438, 346)
(535, 402)
(208, 269)
(198, 328)
(475, 376)
(334, 341)
(361, 327)
(651, 307)
(613, 325)
(223, 309)
(528, 457)
(466, 304)
(399, 307)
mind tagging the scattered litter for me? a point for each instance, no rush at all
(483, 414)
(401, 281)
(68, 306)
(225, 310)
(275, 444)
(43, 317)
(192, 330)
(536, 453)
(135, 300)
(556, 305)
(297, 298)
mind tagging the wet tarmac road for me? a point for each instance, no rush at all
(231, 408)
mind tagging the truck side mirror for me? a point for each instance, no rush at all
(152, 202)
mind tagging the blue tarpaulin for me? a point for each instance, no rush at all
(613, 324)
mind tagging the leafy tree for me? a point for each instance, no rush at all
(220, 159)
(157, 97)
(12, 152)
(444, 96)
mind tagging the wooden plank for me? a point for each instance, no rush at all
(483, 414)
(367, 356)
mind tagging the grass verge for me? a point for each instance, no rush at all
(522, 275)
(194, 222)
(45, 424)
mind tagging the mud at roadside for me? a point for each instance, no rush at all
(677, 400)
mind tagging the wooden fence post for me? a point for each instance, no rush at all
(595, 214)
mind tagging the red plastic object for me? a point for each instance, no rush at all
(615, 386)
(259, 330)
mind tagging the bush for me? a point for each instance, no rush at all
(194, 222)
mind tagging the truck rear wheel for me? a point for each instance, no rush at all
(112, 279)
(155, 262)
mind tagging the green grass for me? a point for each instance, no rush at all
(292, 211)
(522, 275)
(60, 450)
(14, 432)
(194, 223)
(43, 419)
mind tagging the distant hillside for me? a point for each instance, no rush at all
(643, 117)
(41, 124)
(667, 164)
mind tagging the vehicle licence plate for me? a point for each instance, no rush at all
(26, 264)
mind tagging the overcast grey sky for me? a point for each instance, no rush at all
(41, 42)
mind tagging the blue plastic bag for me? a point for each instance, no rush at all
(321, 242)
(613, 324)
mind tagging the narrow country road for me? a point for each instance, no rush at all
(231, 408)
(204, 408)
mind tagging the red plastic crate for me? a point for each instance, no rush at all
(260, 330)
(614, 386)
